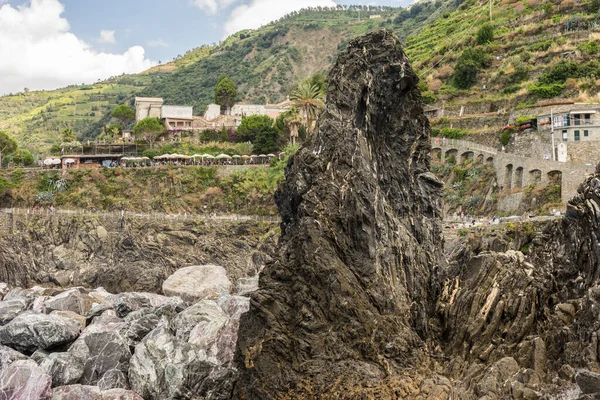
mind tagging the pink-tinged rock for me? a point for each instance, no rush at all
(206, 282)
(9, 356)
(77, 392)
(24, 380)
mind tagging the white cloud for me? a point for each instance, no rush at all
(261, 12)
(157, 43)
(107, 37)
(212, 6)
(38, 51)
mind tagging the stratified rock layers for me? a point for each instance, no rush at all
(348, 296)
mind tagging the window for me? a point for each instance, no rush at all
(556, 122)
(172, 124)
(566, 121)
(565, 136)
(586, 133)
(587, 119)
(576, 119)
(577, 137)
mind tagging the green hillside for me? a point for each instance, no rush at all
(538, 51)
(264, 63)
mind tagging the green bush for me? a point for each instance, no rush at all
(453, 133)
(589, 48)
(460, 174)
(560, 72)
(511, 89)
(546, 91)
(463, 232)
(470, 62)
(525, 118)
(505, 138)
(485, 34)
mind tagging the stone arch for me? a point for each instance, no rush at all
(519, 177)
(467, 155)
(555, 179)
(480, 158)
(535, 176)
(508, 176)
(451, 155)
(436, 153)
(489, 160)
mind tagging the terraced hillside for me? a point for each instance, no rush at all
(538, 52)
(264, 63)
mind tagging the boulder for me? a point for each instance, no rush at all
(24, 380)
(206, 282)
(141, 322)
(245, 286)
(71, 300)
(20, 294)
(164, 367)
(9, 356)
(588, 381)
(104, 355)
(125, 303)
(77, 392)
(64, 368)
(496, 376)
(71, 315)
(4, 288)
(9, 309)
(29, 332)
(234, 306)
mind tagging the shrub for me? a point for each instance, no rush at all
(589, 48)
(463, 232)
(560, 72)
(546, 91)
(511, 89)
(460, 174)
(485, 34)
(525, 118)
(470, 62)
(505, 138)
(453, 133)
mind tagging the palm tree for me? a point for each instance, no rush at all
(309, 99)
(293, 120)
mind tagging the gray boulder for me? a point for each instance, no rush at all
(125, 303)
(64, 368)
(245, 286)
(9, 356)
(206, 282)
(24, 380)
(588, 381)
(29, 332)
(164, 367)
(20, 294)
(71, 300)
(10, 309)
(104, 355)
(141, 322)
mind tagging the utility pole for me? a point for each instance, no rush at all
(552, 130)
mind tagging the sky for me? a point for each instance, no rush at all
(48, 44)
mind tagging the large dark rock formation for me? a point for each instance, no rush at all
(347, 299)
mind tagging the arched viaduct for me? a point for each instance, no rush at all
(514, 171)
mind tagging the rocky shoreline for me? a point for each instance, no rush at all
(67, 344)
